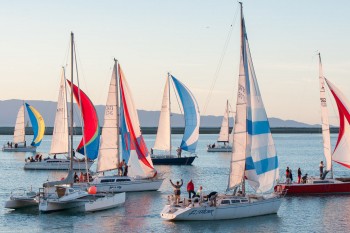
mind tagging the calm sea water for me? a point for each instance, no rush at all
(141, 210)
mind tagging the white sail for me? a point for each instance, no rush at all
(163, 133)
(19, 134)
(239, 145)
(254, 155)
(108, 157)
(224, 130)
(59, 144)
(324, 117)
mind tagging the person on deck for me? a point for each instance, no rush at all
(287, 176)
(190, 189)
(177, 191)
(200, 193)
(179, 150)
(120, 167)
(125, 170)
(299, 175)
(291, 175)
(321, 169)
(76, 178)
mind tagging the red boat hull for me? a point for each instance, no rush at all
(322, 188)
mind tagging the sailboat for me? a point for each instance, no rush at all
(59, 144)
(141, 174)
(60, 195)
(340, 155)
(254, 158)
(223, 144)
(19, 143)
(191, 134)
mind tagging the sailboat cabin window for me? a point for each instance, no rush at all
(119, 180)
(225, 202)
(235, 201)
(107, 180)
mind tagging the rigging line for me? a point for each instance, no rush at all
(221, 59)
(82, 69)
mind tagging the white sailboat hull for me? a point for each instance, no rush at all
(105, 203)
(122, 184)
(222, 212)
(20, 203)
(220, 149)
(19, 149)
(50, 206)
(56, 164)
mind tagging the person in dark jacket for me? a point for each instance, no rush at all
(299, 175)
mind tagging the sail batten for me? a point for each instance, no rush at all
(19, 133)
(59, 143)
(108, 158)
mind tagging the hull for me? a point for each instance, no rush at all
(50, 206)
(173, 160)
(122, 184)
(19, 149)
(220, 149)
(222, 212)
(105, 203)
(21, 203)
(56, 164)
(337, 187)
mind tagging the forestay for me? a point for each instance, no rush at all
(38, 125)
(192, 118)
(19, 134)
(342, 148)
(59, 144)
(135, 151)
(108, 157)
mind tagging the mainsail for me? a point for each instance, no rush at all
(91, 137)
(135, 151)
(19, 134)
(59, 144)
(192, 118)
(108, 157)
(164, 129)
(224, 130)
(252, 136)
(38, 125)
(342, 148)
(324, 118)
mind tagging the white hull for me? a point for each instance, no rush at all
(105, 203)
(122, 184)
(50, 206)
(221, 211)
(220, 149)
(17, 203)
(19, 149)
(56, 164)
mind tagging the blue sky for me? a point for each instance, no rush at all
(186, 38)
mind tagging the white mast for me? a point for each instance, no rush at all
(325, 122)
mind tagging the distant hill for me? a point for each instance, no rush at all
(9, 109)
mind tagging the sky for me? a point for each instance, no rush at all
(187, 39)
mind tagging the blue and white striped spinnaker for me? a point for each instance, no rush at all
(192, 118)
(254, 156)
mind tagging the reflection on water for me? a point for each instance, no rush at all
(141, 210)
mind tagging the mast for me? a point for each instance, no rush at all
(71, 104)
(228, 122)
(169, 113)
(324, 120)
(243, 48)
(118, 113)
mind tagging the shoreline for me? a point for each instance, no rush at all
(180, 130)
